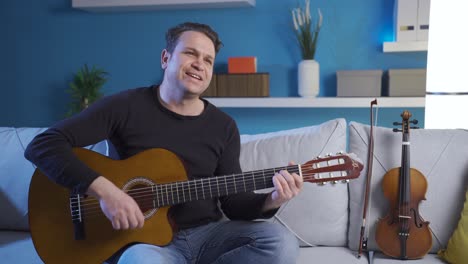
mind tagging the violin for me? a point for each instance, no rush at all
(403, 233)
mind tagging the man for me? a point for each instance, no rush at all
(173, 116)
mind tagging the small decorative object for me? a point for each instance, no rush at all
(307, 35)
(242, 64)
(85, 88)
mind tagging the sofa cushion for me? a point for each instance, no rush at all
(15, 175)
(440, 155)
(319, 214)
(17, 247)
(456, 248)
(329, 255)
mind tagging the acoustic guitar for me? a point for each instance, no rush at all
(71, 228)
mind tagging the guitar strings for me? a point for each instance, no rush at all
(199, 183)
(228, 180)
(88, 210)
(151, 196)
(94, 209)
(195, 186)
(137, 196)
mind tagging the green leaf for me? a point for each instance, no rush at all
(85, 87)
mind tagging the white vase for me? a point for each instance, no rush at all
(308, 78)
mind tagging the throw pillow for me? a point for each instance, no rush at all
(456, 252)
(319, 214)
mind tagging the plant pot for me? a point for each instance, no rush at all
(308, 78)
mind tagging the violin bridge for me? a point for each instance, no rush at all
(404, 216)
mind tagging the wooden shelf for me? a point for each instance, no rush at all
(140, 5)
(318, 102)
(405, 46)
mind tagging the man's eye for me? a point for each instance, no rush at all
(209, 62)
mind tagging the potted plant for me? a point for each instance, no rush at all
(85, 88)
(307, 33)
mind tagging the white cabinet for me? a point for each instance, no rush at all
(411, 26)
(140, 5)
(405, 20)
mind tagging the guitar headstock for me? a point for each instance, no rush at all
(332, 168)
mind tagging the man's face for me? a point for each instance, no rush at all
(190, 66)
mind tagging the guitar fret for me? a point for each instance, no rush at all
(264, 181)
(154, 199)
(183, 191)
(217, 185)
(177, 189)
(235, 187)
(167, 195)
(172, 193)
(189, 192)
(225, 184)
(196, 191)
(202, 188)
(157, 197)
(161, 201)
(209, 184)
(253, 179)
(79, 208)
(243, 179)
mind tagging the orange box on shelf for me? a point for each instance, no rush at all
(242, 65)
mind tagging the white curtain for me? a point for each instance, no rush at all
(447, 65)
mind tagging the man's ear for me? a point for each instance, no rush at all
(165, 55)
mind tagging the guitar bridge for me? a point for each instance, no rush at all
(77, 217)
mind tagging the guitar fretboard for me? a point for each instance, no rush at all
(212, 187)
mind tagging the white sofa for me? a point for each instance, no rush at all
(325, 218)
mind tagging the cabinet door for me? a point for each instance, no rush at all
(406, 20)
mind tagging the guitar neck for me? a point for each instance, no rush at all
(207, 188)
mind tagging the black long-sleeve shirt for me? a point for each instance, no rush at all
(135, 120)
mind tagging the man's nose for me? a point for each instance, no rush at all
(198, 64)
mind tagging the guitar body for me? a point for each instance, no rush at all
(51, 223)
(71, 228)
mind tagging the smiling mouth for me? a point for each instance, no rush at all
(194, 76)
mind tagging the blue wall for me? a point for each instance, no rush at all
(44, 42)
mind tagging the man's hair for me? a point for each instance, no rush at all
(173, 34)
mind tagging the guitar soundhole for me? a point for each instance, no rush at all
(140, 189)
(143, 199)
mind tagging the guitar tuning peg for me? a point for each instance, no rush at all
(397, 130)
(334, 182)
(340, 152)
(397, 124)
(328, 155)
(414, 121)
(345, 181)
(415, 127)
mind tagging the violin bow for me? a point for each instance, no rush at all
(370, 158)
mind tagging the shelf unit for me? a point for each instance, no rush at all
(317, 102)
(405, 46)
(141, 5)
